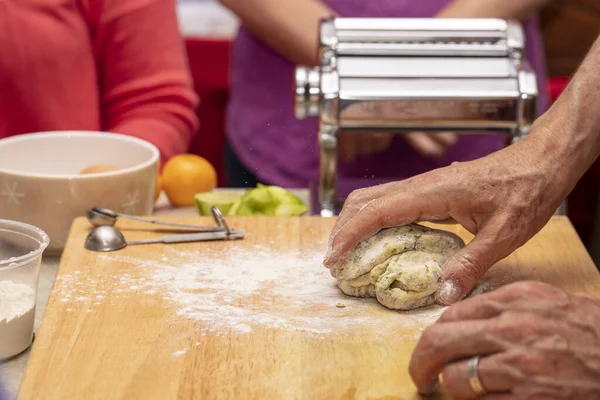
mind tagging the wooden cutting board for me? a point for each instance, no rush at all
(252, 319)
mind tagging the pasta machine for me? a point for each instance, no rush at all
(399, 75)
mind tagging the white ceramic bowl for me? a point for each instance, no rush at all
(40, 182)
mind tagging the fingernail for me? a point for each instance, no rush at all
(448, 293)
(328, 258)
(328, 262)
(431, 387)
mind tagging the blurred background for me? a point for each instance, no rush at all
(569, 28)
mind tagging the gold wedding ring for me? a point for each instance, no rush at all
(473, 376)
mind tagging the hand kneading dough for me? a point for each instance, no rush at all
(400, 266)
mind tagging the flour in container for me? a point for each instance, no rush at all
(17, 315)
(246, 289)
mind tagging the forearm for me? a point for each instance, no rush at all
(146, 86)
(569, 132)
(289, 27)
(509, 9)
(169, 133)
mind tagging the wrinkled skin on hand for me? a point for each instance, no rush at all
(534, 340)
(504, 199)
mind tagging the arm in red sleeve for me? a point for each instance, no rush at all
(145, 84)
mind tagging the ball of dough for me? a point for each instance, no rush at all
(401, 267)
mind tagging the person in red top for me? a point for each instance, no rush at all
(109, 65)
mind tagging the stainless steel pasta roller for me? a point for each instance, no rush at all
(401, 75)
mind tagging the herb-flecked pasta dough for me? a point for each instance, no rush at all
(401, 267)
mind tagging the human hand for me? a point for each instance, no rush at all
(534, 340)
(354, 145)
(430, 145)
(504, 199)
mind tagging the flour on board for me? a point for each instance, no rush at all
(248, 288)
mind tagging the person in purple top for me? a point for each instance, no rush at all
(267, 144)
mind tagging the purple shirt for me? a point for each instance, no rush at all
(283, 151)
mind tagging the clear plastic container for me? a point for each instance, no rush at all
(21, 248)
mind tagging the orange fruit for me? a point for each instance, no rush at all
(185, 175)
(158, 188)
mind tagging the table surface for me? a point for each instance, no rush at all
(138, 344)
(12, 371)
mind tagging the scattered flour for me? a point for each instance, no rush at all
(179, 353)
(17, 315)
(249, 288)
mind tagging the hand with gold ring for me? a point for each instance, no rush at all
(527, 340)
(473, 376)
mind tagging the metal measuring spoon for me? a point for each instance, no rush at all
(106, 238)
(98, 216)
(109, 238)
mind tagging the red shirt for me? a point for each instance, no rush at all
(110, 65)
